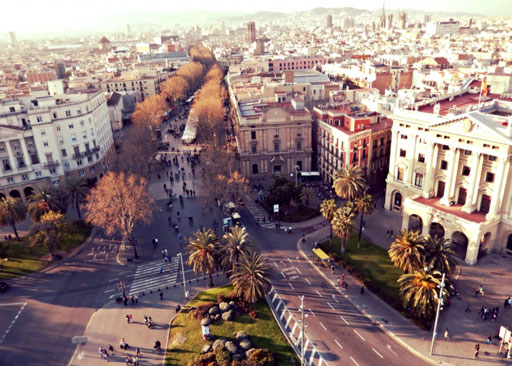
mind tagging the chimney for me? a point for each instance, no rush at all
(289, 76)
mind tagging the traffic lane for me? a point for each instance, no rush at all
(334, 313)
(57, 311)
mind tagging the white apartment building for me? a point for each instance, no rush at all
(46, 139)
(442, 28)
(450, 176)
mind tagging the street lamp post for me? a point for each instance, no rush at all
(183, 273)
(440, 300)
(302, 353)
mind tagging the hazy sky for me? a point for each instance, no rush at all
(26, 15)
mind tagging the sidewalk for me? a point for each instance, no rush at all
(108, 325)
(465, 329)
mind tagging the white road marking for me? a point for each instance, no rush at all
(291, 285)
(339, 345)
(113, 279)
(318, 292)
(360, 336)
(283, 274)
(389, 348)
(13, 303)
(289, 260)
(109, 290)
(342, 318)
(311, 311)
(323, 326)
(309, 283)
(275, 264)
(298, 270)
(331, 306)
(374, 350)
(354, 361)
(335, 299)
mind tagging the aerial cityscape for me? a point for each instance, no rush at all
(256, 184)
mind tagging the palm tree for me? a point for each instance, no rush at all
(76, 191)
(342, 224)
(12, 211)
(327, 209)
(407, 251)
(237, 244)
(349, 183)
(251, 278)
(306, 196)
(439, 254)
(45, 200)
(203, 250)
(419, 290)
(364, 205)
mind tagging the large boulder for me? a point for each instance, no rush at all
(214, 310)
(245, 344)
(205, 321)
(219, 343)
(236, 357)
(228, 315)
(224, 306)
(249, 352)
(231, 347)
(240, 335)
(217, 317)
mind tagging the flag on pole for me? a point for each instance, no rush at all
(485, 88)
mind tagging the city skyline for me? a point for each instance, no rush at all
(58, 15)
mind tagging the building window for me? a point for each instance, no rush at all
(73, 138)
(79, 111)
(254, 149)
(24, 176)
(253, 135)
(45, 143)
(276, 133)
(82, 123)
(39, 119)
(276, 146)
(66, 165)
(53, 171)
(489, 177)
(10, 180)
(81, 173)
(56, 182)
(418, 180)
(421, 158)
(38, 174)
(444, 165)
(403, 137)
(58, 128)
(43, 133)
(64, 152)
(446, 147)
(61, 141)
(299, 131)
(89, 159)
(254, 168)
(492, 158)
(400, 174)
(467, 152)
(403, 153)
(68, 113)
(465, 171)
(54, 114)
(299, 145)
(92, 170)
(79, 162)
(70, 126)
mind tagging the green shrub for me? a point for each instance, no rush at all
(260, 357)
(222, 357)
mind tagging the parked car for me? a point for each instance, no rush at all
(3, 286)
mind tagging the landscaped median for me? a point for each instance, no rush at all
(252, 323)
(18, 258)
(370, 264)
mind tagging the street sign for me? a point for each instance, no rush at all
(79, 340)
(276, 208)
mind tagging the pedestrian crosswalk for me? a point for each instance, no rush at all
(260, 216)
(154, 275)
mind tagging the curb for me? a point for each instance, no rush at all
(381, 326)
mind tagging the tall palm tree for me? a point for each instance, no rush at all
(44, 200)
(237, 244)
(251, 278)
(342, 224)
(76, 191)
(203, 249)
(349, 183)
(327, 209)
(407, 251)
(439, 255)
(12, 211)
(364, 205)
(420, 291)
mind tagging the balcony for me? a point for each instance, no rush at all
(51, 164)
(86, 153)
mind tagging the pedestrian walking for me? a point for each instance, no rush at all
(338, 281)
(481, 289)
(157, 345)
(468, 309)
(507, 303)
(105, 355)
(111, 349)
(127, 318)
(446, 335)
(489, 339)
(137, 352)
(332, 269)
(161, 269)
(161, 295)
(477, 350)
(362, 290)
(100, 351)
(391, 232)
(387, 233)
(342, 277)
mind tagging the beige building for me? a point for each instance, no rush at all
(450, 176)
(273, 137)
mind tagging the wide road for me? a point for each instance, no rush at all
(338, 330)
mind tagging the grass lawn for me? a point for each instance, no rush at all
(372, 265)
(186, 339)
(23, 259)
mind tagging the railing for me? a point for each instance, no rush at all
(51, 164)
(86, 153)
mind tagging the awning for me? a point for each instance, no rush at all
(321, 254)
(310, 174)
